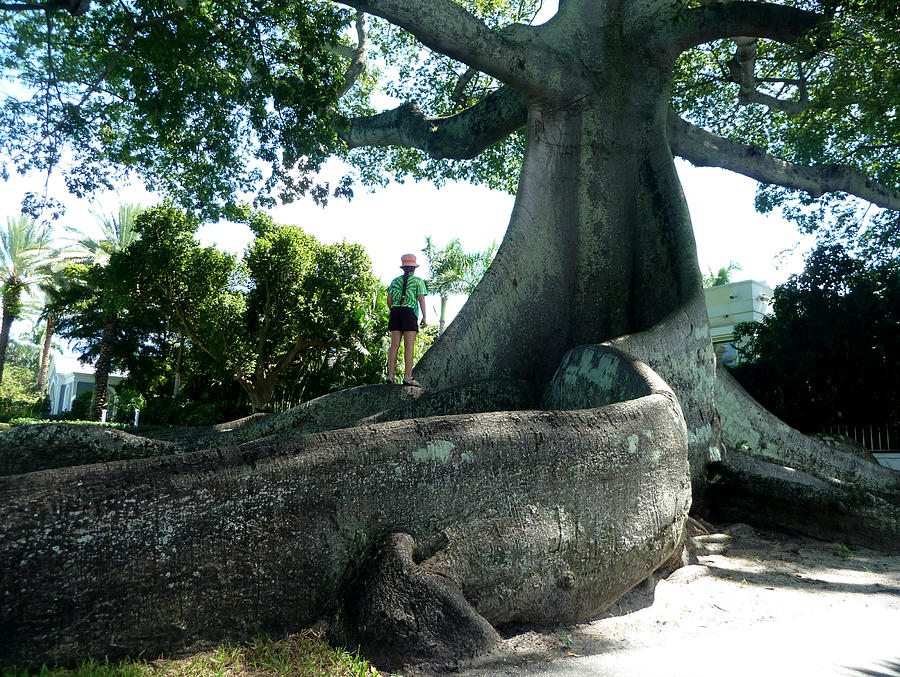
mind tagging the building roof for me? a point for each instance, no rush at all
(70, 364)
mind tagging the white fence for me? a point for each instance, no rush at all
(884, 438)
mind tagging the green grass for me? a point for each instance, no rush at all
(304, 655)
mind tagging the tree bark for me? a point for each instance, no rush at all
(176, 388)
(45, 354)
(599, 246)
(5, 327)
(441, 321)
(152, 554)
(103, 366)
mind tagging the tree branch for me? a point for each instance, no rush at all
(448, 28)
(742, 70)
(705, 149)
(357, 56)
(73, 7)
(460, 137)
(719, 20)
(458, 95)
(123, 46)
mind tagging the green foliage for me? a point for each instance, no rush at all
(19, 395)
(453, 271)
(182, 95)
(182, 410)
(290, 303)
(843, 81)
(81, 407)
(827, 355)
(19, 383)
(25, 255)
(721, 276)
(116, 233)
(24, 355)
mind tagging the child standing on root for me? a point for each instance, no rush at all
(406, 294)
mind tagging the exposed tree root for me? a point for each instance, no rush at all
(400, 610)
(534, 515)
(57, 445)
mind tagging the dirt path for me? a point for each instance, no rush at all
(758, 603)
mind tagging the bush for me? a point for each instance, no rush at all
(81, 407)
(180, 410)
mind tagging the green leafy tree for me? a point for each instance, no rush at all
(116, 234)
(721, 276)
(24, 255)
(290, 301)
(453, 271)
(825, 356)
(111, 233)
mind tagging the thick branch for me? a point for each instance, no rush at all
(705, 149)
(74, 7)
(719, 20)
(446, 27)
(460, 137)
(458, 96)
(742, 70)
(357, 56)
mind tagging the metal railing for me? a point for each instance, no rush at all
(877, 438)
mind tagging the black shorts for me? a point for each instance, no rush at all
(403, 319)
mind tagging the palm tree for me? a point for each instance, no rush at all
(24, 254)
(50, 287)
(117, 232)
(453, 271)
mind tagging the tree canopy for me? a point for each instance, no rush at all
(206, 101)
(290, 300)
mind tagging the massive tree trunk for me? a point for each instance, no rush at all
(599, 246)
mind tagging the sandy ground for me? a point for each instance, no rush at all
(757, 603)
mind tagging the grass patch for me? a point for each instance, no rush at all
(305, 654)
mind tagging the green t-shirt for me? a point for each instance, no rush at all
(415, 286)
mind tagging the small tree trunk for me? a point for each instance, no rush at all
(4, 338)
(260, 393)
(45, 354)
(11, 291)
(443, 313)
(101, 369)
(178, 364)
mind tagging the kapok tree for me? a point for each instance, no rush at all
(599, 249)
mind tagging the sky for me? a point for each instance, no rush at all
(395, 220)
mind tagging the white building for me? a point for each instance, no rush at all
(67, 378)
(730, 304)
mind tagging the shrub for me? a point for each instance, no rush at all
(81, 407)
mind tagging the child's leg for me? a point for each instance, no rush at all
(392, 354)
(409, 345)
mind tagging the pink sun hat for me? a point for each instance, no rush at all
(408, 260)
